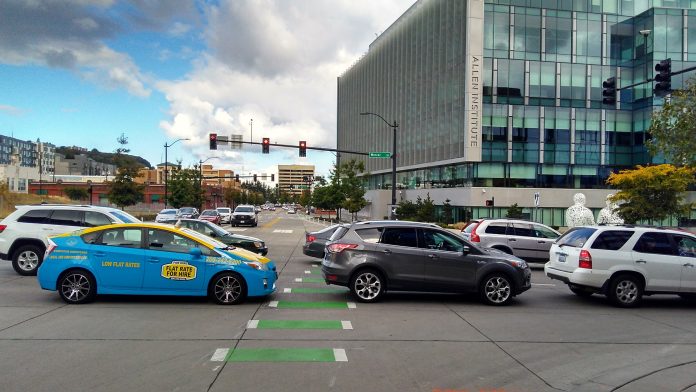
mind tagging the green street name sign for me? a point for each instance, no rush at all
(382, 154)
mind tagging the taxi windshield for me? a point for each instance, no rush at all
(204, 238)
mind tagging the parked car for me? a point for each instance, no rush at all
(212, 230)
(373, 257)
(527, 240)
(315, 242)
(211, 216)
(152, 259)
(624, 262)
(24, 233)
(166, 214)
(187, 212)
(225, 214)
(291, 210)
(244, 214)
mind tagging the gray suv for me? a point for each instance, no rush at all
(373, 257)
(527, 240)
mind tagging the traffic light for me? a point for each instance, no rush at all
(255, 177)
(266, 145)
(213, 141)
(272, 177)
(236, 177)
(303, 148)
(609, 91)
(663, 78)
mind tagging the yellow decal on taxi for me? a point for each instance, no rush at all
(179, 270)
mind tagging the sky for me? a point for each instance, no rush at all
(83, 72)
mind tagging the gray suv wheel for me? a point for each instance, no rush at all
(496, 289)
(367, 285)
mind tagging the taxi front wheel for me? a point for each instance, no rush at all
(228, 288)
(77, 287)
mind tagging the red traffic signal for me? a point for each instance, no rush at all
(266, 145)
(213, 141)
(303, 148)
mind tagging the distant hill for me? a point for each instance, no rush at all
(103, 157)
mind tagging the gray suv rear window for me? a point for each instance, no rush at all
(400, 236)
(369, 235)
(611, 239)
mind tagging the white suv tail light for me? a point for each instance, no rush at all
(51, 246)
(585, 259)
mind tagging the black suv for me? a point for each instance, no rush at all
(373, 257)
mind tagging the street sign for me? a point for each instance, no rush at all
(382, 154)
(235, 142)
(537, 199)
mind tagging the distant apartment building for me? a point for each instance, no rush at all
(31, 154)
(293, 179)
(82, 165)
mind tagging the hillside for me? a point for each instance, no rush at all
(103, 157)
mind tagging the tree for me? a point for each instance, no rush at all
(76, 193)
(406, 210)
(652, 192)
(673, 127)
(231, 196)
(124, 191)
(306, 198)
(426, 209)
(184, 189)
(352, 186)
(514, 212)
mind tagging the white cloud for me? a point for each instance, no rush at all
(11, 110)
(276, 62)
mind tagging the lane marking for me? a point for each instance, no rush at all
(273, 304)
(309, 280)
(340, 355)
(220, 355)
(282, 231)
(288, 355)
(308, 272)
(346, 324)
(300, 324)
(271, 223)
(315, 290)
(544, 284)
(253, 324)
(312, 305)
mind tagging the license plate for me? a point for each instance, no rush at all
(243, 221)
(561, 258)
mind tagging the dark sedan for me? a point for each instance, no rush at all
(252, 244)
(316, 241)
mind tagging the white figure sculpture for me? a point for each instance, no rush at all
(578, 214)
(608, 214)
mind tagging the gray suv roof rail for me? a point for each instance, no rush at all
(394, 222)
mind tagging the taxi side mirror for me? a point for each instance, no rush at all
(195, 252)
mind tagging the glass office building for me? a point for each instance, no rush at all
(514, 99)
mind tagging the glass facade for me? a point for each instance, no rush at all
(544, 123)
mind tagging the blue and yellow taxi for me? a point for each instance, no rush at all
(152, 259)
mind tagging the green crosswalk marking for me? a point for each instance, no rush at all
(300, 324)
(317, 290)
(282, 355)
(312, 305)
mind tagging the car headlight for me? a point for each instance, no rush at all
(258, 244)
(519, 263)
(257, 265)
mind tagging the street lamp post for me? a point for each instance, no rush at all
(166, 168)
(393, 126)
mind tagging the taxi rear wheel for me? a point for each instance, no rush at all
(228, 288)
(77, 287)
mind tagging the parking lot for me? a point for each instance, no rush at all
(313, 337)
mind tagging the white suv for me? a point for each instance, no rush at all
(24, 233)
(625, 262)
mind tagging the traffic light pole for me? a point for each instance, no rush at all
(292, 146)
(652, 80)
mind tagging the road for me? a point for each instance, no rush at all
(548, 340)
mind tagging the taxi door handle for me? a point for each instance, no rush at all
(99, 254)
(153, 259)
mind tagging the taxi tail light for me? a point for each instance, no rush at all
(310, 238)
(2, 228)
(585, 259)
(51, 246)
(338, 248)
(475, 237)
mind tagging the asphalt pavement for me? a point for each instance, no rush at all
(313, 337)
